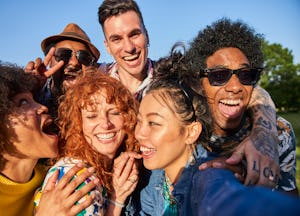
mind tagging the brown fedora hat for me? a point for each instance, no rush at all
(71, 32)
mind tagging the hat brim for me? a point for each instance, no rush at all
(56, 38)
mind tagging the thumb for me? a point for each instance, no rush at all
(50, 185)
(237, 156)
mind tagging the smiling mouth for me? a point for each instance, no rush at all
(147, 151)
(50, 128)
(131, 58)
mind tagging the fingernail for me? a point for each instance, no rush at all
(91, 169)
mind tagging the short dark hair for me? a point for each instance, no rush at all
(110, 8)
(225, 33)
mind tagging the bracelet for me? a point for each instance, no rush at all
(116, 203)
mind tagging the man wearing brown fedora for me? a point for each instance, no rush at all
(67, 55)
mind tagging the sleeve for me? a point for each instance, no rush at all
(287, 155)
(218, 192)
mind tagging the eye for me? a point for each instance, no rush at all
(115, 39)
(91, 116)
(22, 102)
(152, 123)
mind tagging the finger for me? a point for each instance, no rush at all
(76, 209)
(135, 155)
(81, 176)
(237, 156)
(268, 177)
(50, 185)
(253, 170)
(119, 163)
(215, 163)
(29, 67)
(54, 69)
(84, 192)
(68, 176)
(127, 169)
(49, 56)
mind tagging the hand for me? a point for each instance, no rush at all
(220, 163)
(59, 199)
(125, 176)
(261, 153)
(38, 67)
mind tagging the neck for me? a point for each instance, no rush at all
(132, 81)
(19, 170)
(174, 170)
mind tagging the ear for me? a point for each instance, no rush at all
(107, 47)
(194, 130)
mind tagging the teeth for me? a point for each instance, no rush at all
(146, 150)
(132, 57)
(105, 136)
(230, 102)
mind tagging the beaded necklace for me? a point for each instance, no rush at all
(170, 202)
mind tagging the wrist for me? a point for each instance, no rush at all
(116, 203)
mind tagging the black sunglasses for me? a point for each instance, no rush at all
(220, 76)
(83, 56)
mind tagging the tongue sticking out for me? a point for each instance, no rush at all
(230, 111)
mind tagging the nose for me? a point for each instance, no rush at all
(140, 132)
(41, 108)
(105, 122)
(234, 85)
(129, 46)
(73, 59)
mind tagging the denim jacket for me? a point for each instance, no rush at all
(214, 192)
(152, 199)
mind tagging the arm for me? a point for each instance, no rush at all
(125, 179)
(261, 148)
(219, 193)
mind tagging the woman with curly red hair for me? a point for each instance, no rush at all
(96, 120)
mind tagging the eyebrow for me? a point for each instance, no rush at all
(224, 66)
(132, 32)
(154, 114)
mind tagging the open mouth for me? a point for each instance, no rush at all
(50, 127)
(71, 72)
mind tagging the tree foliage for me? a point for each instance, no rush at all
(281, 77)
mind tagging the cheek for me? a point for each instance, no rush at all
(248, 90)
(87, 127)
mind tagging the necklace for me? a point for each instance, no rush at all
(170, 202)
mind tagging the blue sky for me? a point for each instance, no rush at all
(24, 24)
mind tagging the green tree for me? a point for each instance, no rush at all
(281, 77)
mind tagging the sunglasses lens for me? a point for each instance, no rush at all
(248, 76)
(63, 54)
(85, 58)
(219, 77)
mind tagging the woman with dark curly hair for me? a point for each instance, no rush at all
(173, 125)
(96, 119)
(25, 137)
(228, 58)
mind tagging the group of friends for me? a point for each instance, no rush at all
(189, 134)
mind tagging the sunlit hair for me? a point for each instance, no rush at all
(13, 81)
(225, 33)
(69, 119)
(110, 8)
(170, 84)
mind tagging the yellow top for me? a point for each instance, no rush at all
(17, 198)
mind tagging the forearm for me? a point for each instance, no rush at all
(263, 114)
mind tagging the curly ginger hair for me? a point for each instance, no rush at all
(74, 143)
